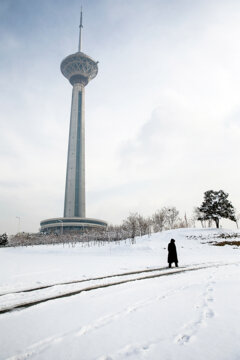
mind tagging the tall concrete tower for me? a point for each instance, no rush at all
(79, 69)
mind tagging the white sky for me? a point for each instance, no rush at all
(162, 116)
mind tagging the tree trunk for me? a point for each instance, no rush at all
(217, 223)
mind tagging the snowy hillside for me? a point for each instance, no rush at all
(119, 301)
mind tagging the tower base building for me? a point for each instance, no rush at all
(71, 225)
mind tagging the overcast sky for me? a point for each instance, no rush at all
(162, 116)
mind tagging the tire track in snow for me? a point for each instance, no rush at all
(18, 300)
(101, 278)
(23, 304)
(83, 280)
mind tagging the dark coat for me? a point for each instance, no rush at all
(172, 253)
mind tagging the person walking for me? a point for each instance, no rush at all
(172, 253)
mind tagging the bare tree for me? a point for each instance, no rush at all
(131, 225)
(171, 215)
(181, 223)
(198, 216)
(143, 225)
(158, 220)
(237, 219)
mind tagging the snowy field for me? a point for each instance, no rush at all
(189, 314)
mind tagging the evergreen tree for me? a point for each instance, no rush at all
(3, 239)
(216, 206)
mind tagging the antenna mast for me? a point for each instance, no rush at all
(80, 33)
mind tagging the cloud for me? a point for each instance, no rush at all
(182, 155)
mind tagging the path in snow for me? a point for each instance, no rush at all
(30, 297)
(152, 344)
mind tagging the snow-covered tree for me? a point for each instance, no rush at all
(171, 217)
(158, 220)
(216, 206)
(143, 225)
(237, 218)
(130, 225)
(3, 239)
(197, 215)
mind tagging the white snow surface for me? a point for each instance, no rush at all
(185, 315)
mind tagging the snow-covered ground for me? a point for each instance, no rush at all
(185, 315)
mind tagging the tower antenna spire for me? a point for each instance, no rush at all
(80, 33)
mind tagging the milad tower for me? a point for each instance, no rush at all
(79, 69)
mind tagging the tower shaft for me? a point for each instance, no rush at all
(74, 205)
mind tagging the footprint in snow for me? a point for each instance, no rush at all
(183, 339)
(209, 314)
(205, 314)
(131, 309)
(210, 299)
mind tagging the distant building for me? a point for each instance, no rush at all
(79, 69)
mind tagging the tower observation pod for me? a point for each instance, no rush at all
(79, 69)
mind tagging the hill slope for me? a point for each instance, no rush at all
(185, 315)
